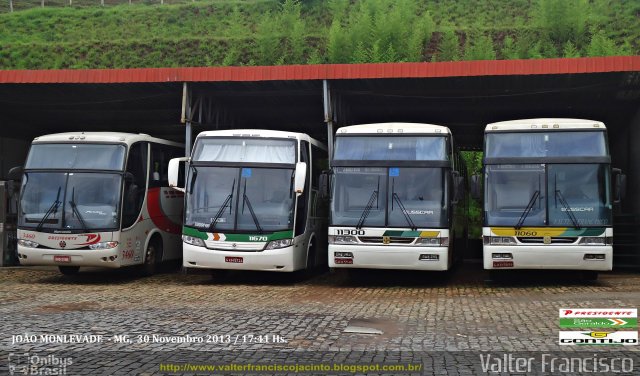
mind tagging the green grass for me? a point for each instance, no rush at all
(267, 32)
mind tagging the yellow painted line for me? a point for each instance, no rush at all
(529, 231)
(429, 234)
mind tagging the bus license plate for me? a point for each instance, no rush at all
(234, 260)
(62, 258)
(343, 260)
(503, 264)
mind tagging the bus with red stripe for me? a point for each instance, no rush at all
(99, 199)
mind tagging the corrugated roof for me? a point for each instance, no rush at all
(328, 71)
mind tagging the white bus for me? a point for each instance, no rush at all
(394, 191)
(99, 199)
(252, 203)
(547, 196)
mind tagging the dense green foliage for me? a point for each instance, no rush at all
(268, 32)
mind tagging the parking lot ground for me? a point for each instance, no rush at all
(439, 320)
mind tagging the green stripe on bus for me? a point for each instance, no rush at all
(193, 232)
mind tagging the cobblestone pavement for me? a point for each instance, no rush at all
(440, 320)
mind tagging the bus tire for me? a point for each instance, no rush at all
(589, 275)
(69, 270)
(311, 255)
(152, 256)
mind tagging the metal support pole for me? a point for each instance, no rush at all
(328, 117)
(186, 118)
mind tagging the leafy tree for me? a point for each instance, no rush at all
(569, 50)
(449, 47)
(479, 47)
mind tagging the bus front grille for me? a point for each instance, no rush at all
(380, 240)
(553, 240)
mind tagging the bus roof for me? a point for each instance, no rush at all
(393, 128)
(116, 137)
(267, 133)
(544, 123)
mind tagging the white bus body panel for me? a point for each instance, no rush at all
(391, 256)
(549, 256)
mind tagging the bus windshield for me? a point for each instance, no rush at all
(567, 195)
(70, 201)
(392, 197)
(79, 156)
(241, 199)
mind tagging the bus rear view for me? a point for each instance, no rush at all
(547, 196)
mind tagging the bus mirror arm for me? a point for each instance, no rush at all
(174, 172)
(300, 178)
(619, 185)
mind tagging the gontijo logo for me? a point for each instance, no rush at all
(625, 338)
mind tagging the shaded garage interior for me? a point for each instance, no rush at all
(464, 96)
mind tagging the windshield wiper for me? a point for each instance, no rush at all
(227, 201)
(245, 198)
(367, 209)
(527, 210)
(394, 196)
(74, 207)
(567, 209)
(52, 209)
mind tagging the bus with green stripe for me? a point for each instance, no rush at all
(396, 197)
(252, 202)
(548, 196)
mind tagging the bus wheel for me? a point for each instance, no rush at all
(589, 275)
(69, 270)
(151, 258)
(311, 255)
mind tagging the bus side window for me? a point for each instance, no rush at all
(160, 157)
(134, 186)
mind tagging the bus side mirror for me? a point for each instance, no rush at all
(301, 177)
(619, 185)
(15, 173)
(475, 187)
(458, 187)
(128, 177)
(174, 172)
(323, 184)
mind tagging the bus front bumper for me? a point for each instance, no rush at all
(107, 258)
(273, 260)
(388, 257)
(548, 257)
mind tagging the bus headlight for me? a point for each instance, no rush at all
(500, 240)
(433, 242)
(592, 240)
(27, 243)
(103, 245)
(193, 240)
(276, 244)
(340, 239)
